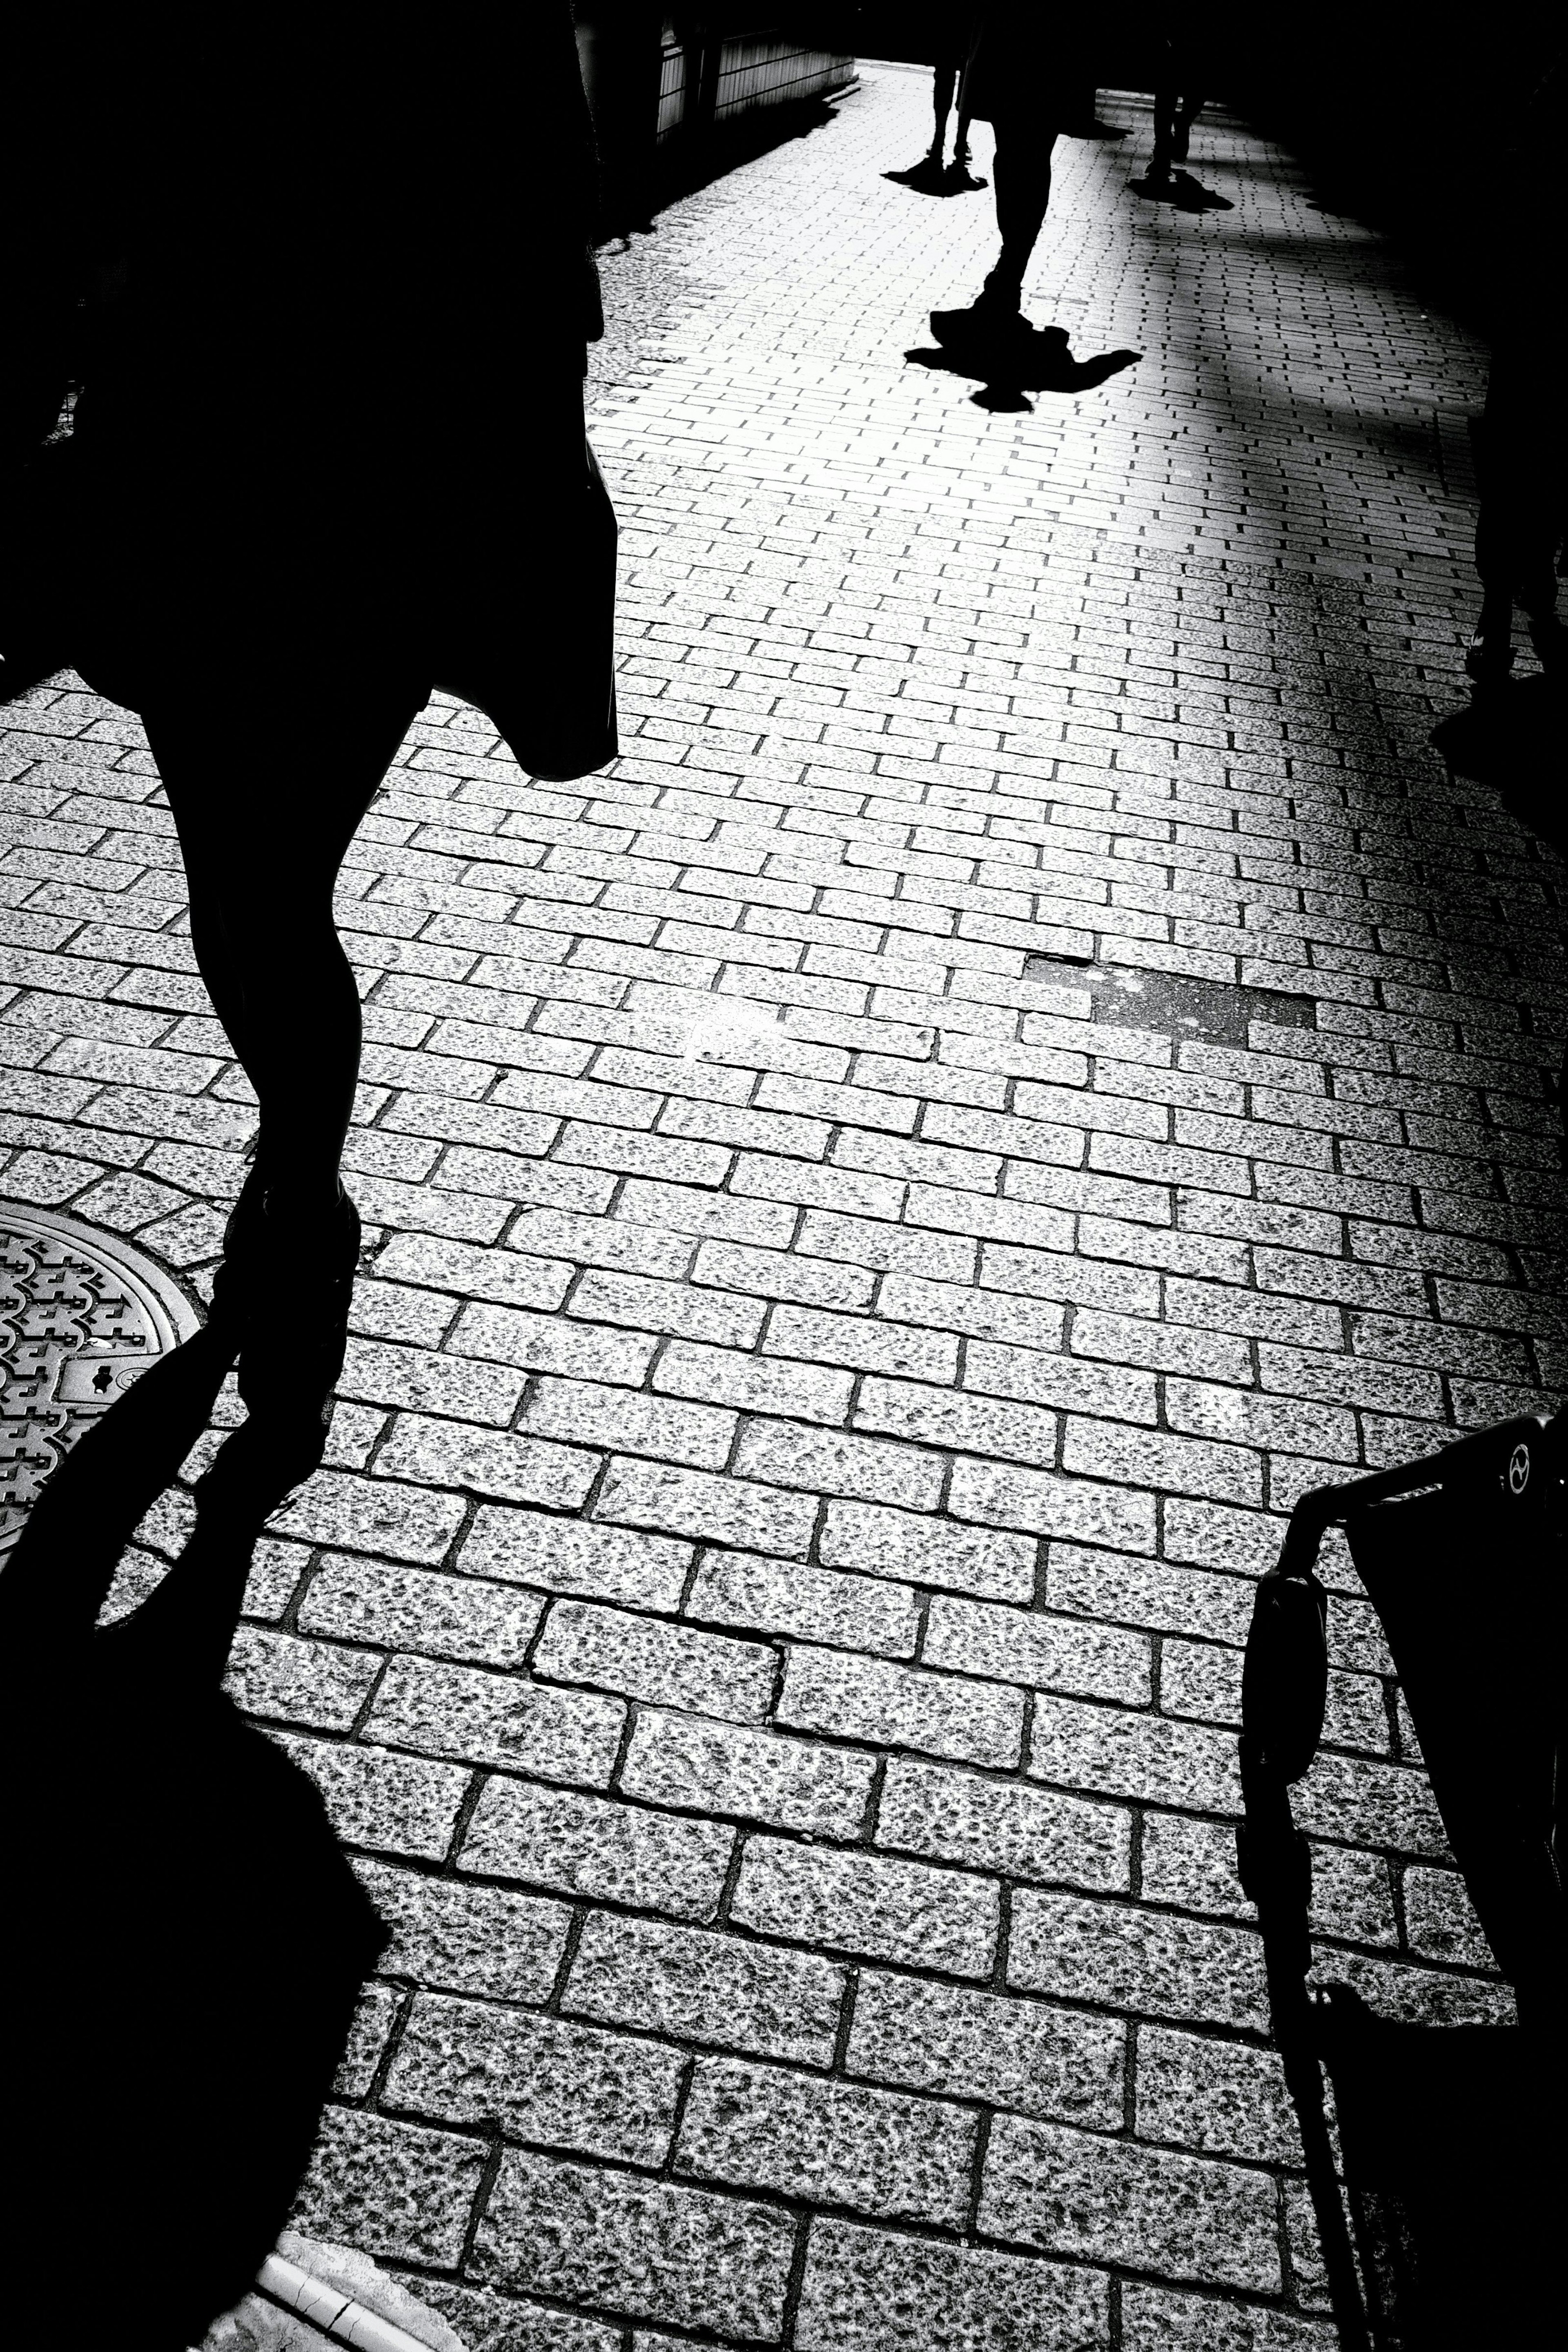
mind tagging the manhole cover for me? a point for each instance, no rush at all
(81, 1315)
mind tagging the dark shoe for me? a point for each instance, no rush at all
(1548, 640)
(1488, 662)
(293, 1349)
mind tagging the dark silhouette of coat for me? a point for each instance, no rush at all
(337, 287)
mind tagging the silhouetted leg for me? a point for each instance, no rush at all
(1181, 129)
(1022, 176)
(263, 826)
(1164, 130)
(945, 81)
(961, 143)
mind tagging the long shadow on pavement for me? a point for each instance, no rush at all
(1034, 359)
(1183, 192)
(932, 178)
(1518, 743)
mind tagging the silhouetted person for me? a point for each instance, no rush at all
(1521, 443)
(329, 452)
(953, 39)
(1030, 75)
(184, 1940)
(1178, 99)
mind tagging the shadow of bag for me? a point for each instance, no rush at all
(529, 636)
(186, 1939)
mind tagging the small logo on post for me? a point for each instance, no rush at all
(1519, 1470)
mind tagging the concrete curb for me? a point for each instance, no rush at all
(333, 2312)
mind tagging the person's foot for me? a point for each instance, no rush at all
(1488, 659)
(1549, 641)
(293, 1350)
(961, 152)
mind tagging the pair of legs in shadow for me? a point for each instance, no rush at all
(264, 828)
(991, 341)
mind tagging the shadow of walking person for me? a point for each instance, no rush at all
(931, 177)
(1182, 191)
(1011, 365)
(1515, 739)
(171, 2045)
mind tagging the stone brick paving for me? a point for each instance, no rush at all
(832, 1357)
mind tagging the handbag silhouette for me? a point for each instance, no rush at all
(184, 1938)
(1451, 2136)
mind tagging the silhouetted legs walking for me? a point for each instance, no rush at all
(944, 89)
(264, 829)
(1523, 509)
(1175, 114)
(1023, 175)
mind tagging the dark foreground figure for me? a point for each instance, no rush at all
(184, 1940)
(1451, 2138)
(328, 454)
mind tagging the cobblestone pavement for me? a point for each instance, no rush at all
(843, 1316)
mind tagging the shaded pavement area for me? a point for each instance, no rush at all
(875, 1205)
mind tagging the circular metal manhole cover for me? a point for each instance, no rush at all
(81, 1314)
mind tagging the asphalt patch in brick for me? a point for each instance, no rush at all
(1217, 1012)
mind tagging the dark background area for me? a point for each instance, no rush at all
(1405, 115)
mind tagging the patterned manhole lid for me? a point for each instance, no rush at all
(81, 1314)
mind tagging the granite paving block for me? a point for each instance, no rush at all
(487, 1461)
(583, 1845)
(1121, 1753)
(490, 1718)
(851, 1697)
(816, 1605)
(1003, 1825)
(830, 2143)
(1029, 2056)
(1163, 2319)
(673, 1666)
(706, 1765)
(394, 1804)
(695, 1503)
(393, 2188)
(289, 1681)
(581, 1555)
(622, 2242)
(694, 1986)
(462, 1939)
(877, 2291)
(536, 2078)
(1072, 2192)
(881, 1542)
(409, 1608)
(370, 1515)
(887, 1909)
(1136, 1960)
(1019, 1645)
(1220, 2098)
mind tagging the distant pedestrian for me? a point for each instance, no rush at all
(1521, 439)
(1030, 74)
(954, 34)
(1178, 98)
(329, 452)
